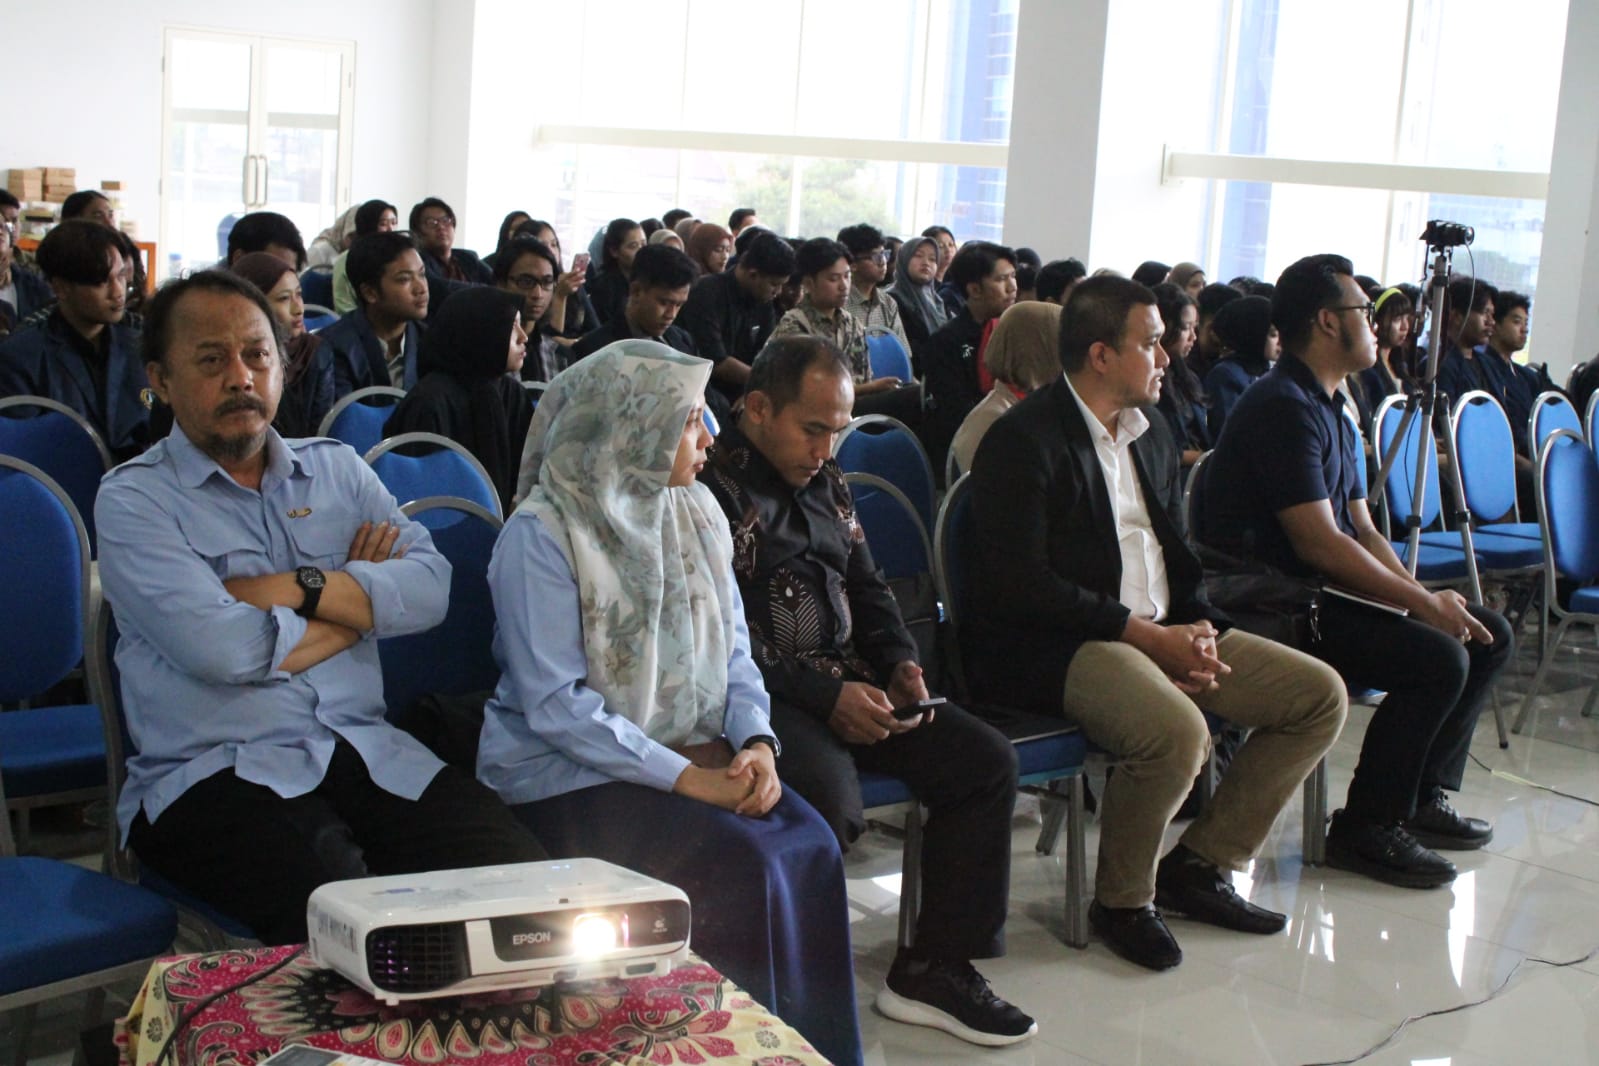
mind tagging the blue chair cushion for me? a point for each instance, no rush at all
(879, 790)
(1585, 600)
(1500, 551)
(1438, 562)
(154, 882)
(59, 921)
(45, 750)
(1525, 530)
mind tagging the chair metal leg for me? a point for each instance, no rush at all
(1593, 697)
(21, 1029)
(1537, 678)
(1053, 809)
(1314, 833)
(1077, 894)
(910, 878)
(1499, 719)
(1207, 779)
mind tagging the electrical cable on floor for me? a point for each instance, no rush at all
(1514, 779)
(1500, 987)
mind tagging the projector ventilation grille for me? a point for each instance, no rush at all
(417, 958)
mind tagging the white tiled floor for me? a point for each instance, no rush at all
(1357, 958)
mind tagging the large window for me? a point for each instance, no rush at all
(1463, 84)
(817, 113)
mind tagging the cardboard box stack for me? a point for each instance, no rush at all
(25, 183)
(59, 183)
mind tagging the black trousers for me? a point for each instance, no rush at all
(256, 856)
(1420, 735)
(964, 771)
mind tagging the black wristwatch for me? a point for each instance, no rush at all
(311, 581)
(769, 741)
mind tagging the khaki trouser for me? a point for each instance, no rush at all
(1123, 702)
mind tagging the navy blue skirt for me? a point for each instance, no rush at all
(767, 893)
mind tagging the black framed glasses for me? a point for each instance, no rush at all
(525, 282)
(879, 256)
(1368, 309)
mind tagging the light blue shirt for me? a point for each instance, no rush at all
(546, 732)
(200, 683)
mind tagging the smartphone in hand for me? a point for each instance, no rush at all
(911, 710)
(580, 261)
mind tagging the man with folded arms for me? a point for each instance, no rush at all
(1089, 601)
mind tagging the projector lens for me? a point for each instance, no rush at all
(593, 934)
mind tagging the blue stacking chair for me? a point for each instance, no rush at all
(447, 469)
(356, 421)
(1568, 511)
(316, 287)
(456, 656)
(709, 419)
(894, 533)
(1550, 411)
(887, 356)
(1589, 417)
(201, 923)
(886, 447)
(1486, 449)
(1441, 558)
(318, 318)
(49, 755)
(535, 391)
(63, 444)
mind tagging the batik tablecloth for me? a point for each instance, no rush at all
(692, 1015)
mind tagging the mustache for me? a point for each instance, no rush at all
(242, 403)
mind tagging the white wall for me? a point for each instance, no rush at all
(82, 86)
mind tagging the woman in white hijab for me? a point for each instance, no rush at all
(630, 723)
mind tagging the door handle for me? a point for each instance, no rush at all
(266, 177)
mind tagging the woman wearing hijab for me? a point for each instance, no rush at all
(921, 312)
(1189, 277)
(710, 246)
(466, 387)
(630, 720)
(332, 241)
(1249, 348)
(1021, 355)
(307, 362)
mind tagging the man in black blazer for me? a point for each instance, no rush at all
(1088, 602)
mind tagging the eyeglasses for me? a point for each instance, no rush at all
(879, 256)
(533, 281)
(1367, 309)
(438, 223)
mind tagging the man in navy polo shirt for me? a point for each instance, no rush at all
(1284, 486)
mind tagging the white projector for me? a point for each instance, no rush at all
(416, 936)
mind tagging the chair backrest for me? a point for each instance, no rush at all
(887, 356)
(1486, 451)
(1550, 411)
(899, 542)
(711, 425)
(951, 536)
(316, 287)
(318, 318)
(878, 444)
(1568, 507)
(1588, 416)
(1191, 487)
(44, 568)
(1398, 493)
(446, 469)
(356, 421)
(63, 444)
(457, 655)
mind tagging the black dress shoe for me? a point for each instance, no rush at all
(1188, 886)
(1438, 825)
(1137, 934)
(1385, 852)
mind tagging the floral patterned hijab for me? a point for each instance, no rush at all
(654, 564)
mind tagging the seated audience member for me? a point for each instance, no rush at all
(1490, 365)
(1468, 320)
(90, 205)
(374, 216)
(1055, 280)
(333, 241)
(710, 247)
(1182, 398)
(608, 756)
(949, 295)
(376, 344)
(307, 362)
(915, 292)
(837, 660)
(731, 315)
(467, 387)
(248, 573)
(674, 216)
(530, 271)
(607, 286)
(22, 292)
(570, 314)
(10, 211)
(986, 275)
(824, 266)
(741, 219)
(433, 223)
(1189, 277)
(1026, 282)
(1207, 349)
(1393, 316)
(1248, 349)
(1151, 272)
(1020, 357)
(685, 227)
(84, 351)
(666, 237)
(270, 232)
(657, 292)
(1284, 487)
(508, 228)
(871, 306)
(1089, 602)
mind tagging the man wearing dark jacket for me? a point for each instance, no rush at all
(378, 342)
(1088, 601)
(985, 274)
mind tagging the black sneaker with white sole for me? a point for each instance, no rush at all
(954, 997)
